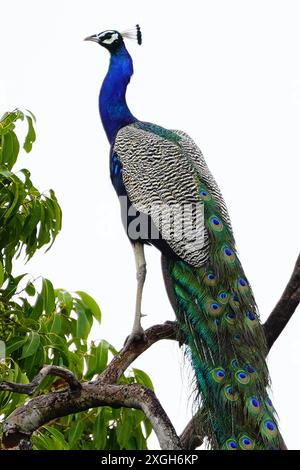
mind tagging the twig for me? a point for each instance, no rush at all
(30, 388)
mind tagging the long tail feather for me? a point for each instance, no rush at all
(217, 313)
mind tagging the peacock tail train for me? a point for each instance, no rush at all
(218, 316)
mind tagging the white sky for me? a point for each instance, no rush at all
(228, 73)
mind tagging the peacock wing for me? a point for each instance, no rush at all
(162, 181)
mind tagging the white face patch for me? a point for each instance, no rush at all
(112, 39)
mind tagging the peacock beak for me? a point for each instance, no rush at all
(93, 38)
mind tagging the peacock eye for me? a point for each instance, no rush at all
(242, 377)
(233, 445)
(246, 443)
(251, 316)
(249, 368)
(218, 374)
(255, 402)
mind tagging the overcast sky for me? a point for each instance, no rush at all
(226, 72)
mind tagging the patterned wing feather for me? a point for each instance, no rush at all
(159, 174)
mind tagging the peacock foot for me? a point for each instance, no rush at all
(137, 334)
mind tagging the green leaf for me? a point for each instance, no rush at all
(12, 286)
(75, 433)
(100, 430)
(17, 400)
(48, 296)
(125, 429)
(112, 350)
(37, 309)
(14, 344)
(1, 274)
(83, 324)
(58, 438)
(91, 361)
(7, 174)
(148, 427)
(91, 304)
(31, 345)
(56, 324)
(142, 378)
(32, 219)
(41, 441)
(9, 149)
(31, 136)
(76, 363)
(65, 299)
(57, 216)
(102, 356)
(140, 439)
(14, 203)
(30, 289)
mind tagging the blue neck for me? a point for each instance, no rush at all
(113, 108)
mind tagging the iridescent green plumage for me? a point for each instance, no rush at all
(218, 315)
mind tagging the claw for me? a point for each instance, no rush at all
(135, 336)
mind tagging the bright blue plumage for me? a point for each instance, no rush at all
(113, 108)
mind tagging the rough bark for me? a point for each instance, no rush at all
(29, 389)
(20, 425)
(128, 354)
(193, 434)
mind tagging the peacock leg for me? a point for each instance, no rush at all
(140, 261)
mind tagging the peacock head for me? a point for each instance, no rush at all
(112, 40)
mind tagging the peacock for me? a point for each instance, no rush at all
(170, 200)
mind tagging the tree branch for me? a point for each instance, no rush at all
(30, 388)
(20, 425)
(193, 434)
(129, 353)
(285, 307)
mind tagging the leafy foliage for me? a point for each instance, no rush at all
(28, 218)
(42, 325)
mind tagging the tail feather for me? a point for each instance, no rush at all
(216, 312)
